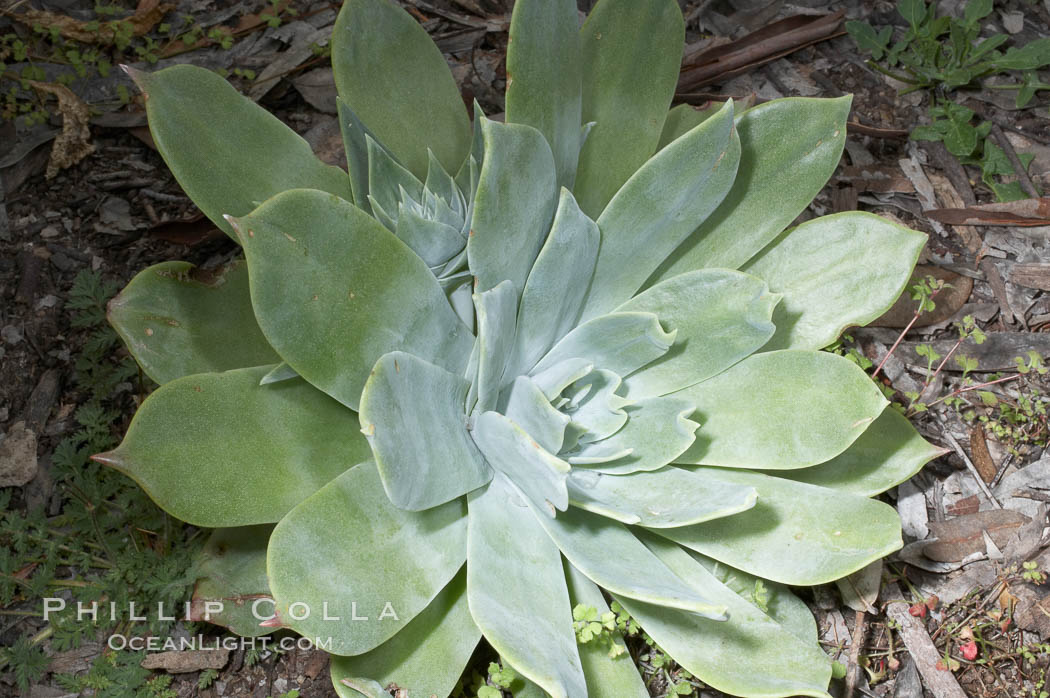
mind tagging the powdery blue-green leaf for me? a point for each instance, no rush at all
(527, 406)
(496, 310)
(659, 206)
(595, 410)
(231, 571)
(751, 655)
(516, 590)
(412, 415)
(426, 658)
(539, 474)
(607, 677)
(435, 242)
(664, 498)
(555, 379)
(355, 143)
(796, 533)
(835, 271)
(280, 372)
(543, 77)
(609, 554)
(333, 291)
(395, 79)
(349, 552)
(781, 410)
(720, 316)
(658, 431)
(386, 181)
(218, 449)
(889, 452)
(631, 54)
(515, 203)
(618, 342)
(227, 153)
(795, 140)
(550, 303)
(682, 119)
(177, 320)
(773, 599)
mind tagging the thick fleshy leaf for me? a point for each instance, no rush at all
(280, 372)
(664, 498)
(684, 118)
(631, 53)
(657, 432)
(527, 406)
(618, 342)
(412, 415)
(607, 677)
(231, 571)
(434, 241)
(514, 205)
(659, 206)
(751, 655)
(395, 79)
(386, 181)
(889, 452)
(426, 658)
(835, 271)
(595, 409)
(355, 142)
(543, 77)
(721, 317)
(559, 376)
(218, 449)
(516, 589)
(333, 291)
(557, 284)
(177, 320)
(539, 474)
(588, 541)
(773, 599)
(781, 410)
(795, 140)
(348, 552)
(796, 533)
(227, 153)
(497, 309)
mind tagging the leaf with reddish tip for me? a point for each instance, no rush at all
(218, 449)
(228, 153)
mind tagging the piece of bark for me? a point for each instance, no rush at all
(1024, 213)
(41, 400)
(1033, 275)
(942, 684)
(995, 280)
(962, 536)
(18, 464)
(183, 662)
(949, 195)
(982, 458)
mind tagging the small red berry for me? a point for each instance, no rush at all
(969, 651)
(918, 610)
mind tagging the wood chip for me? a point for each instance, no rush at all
(1026, 212)
(1033, 275)
(183, 662)
(964, 535)
(942, 684)
(73, 144)
(982, 458)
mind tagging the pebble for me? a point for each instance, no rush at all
(49, 231)
(63, 262)
(11, 335)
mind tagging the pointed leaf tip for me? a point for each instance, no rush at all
(108, 458)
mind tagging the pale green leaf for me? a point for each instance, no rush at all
(496, 310)
(395, 79)
(559, 376)
(514, 206)
(609, 554)
(790, 147)
(659, 206)
(231, 571)
(657, 432)
(835, 271)
(227, 153)
(412, 415)
(517, 593)
(889, 452)
(386, 180)
(218, 449)
(556, 285)
(796, 533)
(664, 498)
(539, 474)
(595, 409)
(721, 316)
(527, 406)
(750, 655)
(435, 242)
(682, 119)
(177, 320)
(348, 552)
(618, 342)
(631, 53)
(781, 410)
(281, 372)
(355, 143)
(427, 657)
(333, 291)
(543, 77)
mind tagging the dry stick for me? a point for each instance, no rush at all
(917, 640)
(972, 387)
(860, 628)
(1011, 154)
(929, 380)
(972, 469)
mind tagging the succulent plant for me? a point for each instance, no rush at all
(490, 372)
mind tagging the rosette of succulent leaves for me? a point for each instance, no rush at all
(497, 369)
